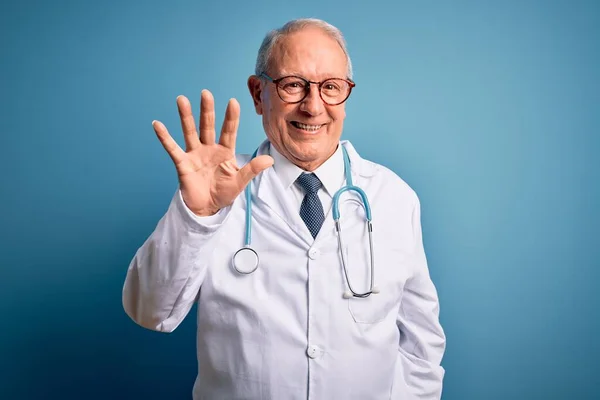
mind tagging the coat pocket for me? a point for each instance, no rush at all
(377, 306)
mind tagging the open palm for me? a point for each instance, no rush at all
(209, 176)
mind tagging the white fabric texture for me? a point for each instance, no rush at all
(286, 331)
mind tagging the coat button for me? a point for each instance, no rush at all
(313, 254)
(313, 351)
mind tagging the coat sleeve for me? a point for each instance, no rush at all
(165, 275)
(419, 373)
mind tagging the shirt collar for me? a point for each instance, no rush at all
(330, 173)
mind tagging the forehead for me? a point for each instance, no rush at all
(310, 53)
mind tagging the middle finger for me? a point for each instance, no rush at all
(207, 118)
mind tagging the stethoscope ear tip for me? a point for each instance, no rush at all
(375, 290)
(347, 295)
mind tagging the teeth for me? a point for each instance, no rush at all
(308, 127)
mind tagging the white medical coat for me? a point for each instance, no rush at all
(286, 331)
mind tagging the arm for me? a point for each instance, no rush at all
(422, 340)
(167, 271)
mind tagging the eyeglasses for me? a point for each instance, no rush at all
(294, 89)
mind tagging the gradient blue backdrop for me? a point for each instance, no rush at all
(490, 111)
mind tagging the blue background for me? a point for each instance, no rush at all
(489, 110)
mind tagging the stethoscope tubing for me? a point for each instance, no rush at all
(336, 216)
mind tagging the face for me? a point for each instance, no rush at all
(306, 133)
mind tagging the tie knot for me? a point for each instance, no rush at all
(309, 182)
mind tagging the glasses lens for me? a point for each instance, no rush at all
(334, 91)
(292, 89)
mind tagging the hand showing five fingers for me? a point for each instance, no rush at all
(209, 177)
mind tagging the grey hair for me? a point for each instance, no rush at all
(274, 36)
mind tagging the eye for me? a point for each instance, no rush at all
(332, 86)
(292, 85)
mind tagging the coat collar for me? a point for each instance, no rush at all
(268, 190)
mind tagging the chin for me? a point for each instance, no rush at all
(310, 160)
(307, 151)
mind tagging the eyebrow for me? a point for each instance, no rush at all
(323, 77)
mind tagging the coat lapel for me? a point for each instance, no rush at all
(359, 170)
(269, 193)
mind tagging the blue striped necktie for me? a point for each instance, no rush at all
(311, 209)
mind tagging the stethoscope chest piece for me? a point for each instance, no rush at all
(245, 260)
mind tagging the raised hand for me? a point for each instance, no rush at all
(209, 176)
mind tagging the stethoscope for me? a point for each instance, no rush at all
(246, 260)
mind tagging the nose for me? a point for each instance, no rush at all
(312, 103)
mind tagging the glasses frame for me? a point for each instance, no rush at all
(307, 89)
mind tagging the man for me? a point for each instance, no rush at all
(307, 322)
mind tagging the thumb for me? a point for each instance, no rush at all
(253, 168)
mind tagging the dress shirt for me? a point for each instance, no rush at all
(330, 173)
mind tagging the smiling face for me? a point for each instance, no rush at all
(306, 133)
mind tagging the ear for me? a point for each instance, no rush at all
(255, 87)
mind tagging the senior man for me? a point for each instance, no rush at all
(309, 308)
